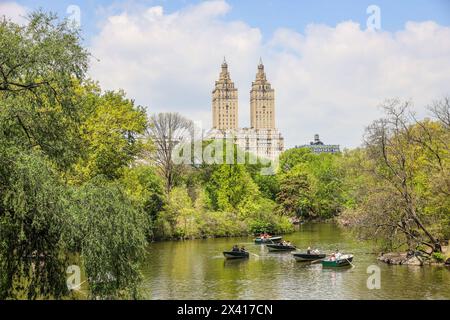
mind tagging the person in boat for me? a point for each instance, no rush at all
(243, 249)
(308, 251)
(333, 257)
(316, 251)
(235, 248)
(337, 254)
(289, 244)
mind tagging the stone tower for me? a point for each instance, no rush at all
(262, 102)
(225, 102)
(262, 138)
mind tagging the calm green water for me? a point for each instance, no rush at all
(197, 270)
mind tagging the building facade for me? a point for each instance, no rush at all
(225, 102)
(318, 146)
(262, 138)
(262, 102)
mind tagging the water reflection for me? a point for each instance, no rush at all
(235, 263)
(197, 270)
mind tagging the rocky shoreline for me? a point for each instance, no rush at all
(411, 259)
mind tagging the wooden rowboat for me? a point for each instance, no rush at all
(280, 247)
(236, 254)
(343, 261)
(308, 257)
(268, 240)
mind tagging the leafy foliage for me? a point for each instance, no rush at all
(109, 134)
(32, 213)
(113, 239)
(60, 135)
(40, 65)
(402, 179)
(310, 184)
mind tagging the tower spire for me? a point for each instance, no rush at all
(224, 63)
(224, 74)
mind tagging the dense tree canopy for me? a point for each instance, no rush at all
(32, 215)
(40, 64)
(111, 133)
(310, 184)
(59, 135)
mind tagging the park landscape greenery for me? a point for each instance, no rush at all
(87, 178)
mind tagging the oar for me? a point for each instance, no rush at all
(349, 262)
(316, 261)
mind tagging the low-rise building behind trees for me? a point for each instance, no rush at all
(317, 146)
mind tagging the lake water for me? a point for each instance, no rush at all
(196, 269)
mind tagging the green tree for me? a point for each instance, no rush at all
(269, 185)
(403, 174)
(40, 64)
(310, 184)
(295, 197)
(110, 129)
(146, 189)
(292, 157)
(112, 238)
(32, 215)
(231, 189)
(47, 120)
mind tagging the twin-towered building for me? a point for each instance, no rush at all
(262, 138)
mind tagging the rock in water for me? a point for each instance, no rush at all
(393, 258)
(413, 261)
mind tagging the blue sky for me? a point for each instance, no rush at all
(269, 15)
(329, 71)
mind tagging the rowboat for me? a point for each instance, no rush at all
(236, 254)
(343, 261)
(280, 247)
(267, 240)
(308, 257)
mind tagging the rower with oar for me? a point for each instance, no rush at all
(236, 253)
(311, 256)
(337, 259)
(284, 246)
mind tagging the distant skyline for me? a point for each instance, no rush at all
(328, 70)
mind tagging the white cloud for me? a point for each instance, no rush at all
(169, 62)
(328, 80)
(13, 11)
